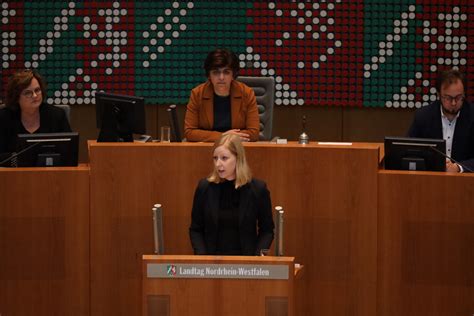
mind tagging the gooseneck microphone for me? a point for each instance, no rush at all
(158, 229)
(279, 231)
(451, 159)
(12, 158)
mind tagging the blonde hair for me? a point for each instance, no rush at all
(243, 175)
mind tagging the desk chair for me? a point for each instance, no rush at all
(67, 110)
(264, 88)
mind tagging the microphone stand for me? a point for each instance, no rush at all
(303, 138)
(14, 155)
(451, 159)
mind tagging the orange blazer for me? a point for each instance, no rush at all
(199, 119)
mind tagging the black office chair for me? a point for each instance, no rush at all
(264, 88)
(67, 109)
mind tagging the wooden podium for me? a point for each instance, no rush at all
(218, 285)
(330, 199)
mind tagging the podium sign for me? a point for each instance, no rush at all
(217, 271)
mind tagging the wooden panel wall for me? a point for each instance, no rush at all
(373, 242)
(425, 244)
(44, 241)
(328, 194)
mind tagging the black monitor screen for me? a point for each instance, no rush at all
(119, 116)
(405, 153)
(47, 150)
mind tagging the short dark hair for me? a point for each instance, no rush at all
(449, 77)
(18, 82)
(219, 58)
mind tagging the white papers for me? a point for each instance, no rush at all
(335, 143)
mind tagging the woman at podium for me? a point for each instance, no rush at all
(231, 212)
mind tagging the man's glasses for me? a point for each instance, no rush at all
(450, 99)
(29, 93)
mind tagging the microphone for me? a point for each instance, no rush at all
(15, 155)
(173, 120)
(279, 231)
(158, 229)
(451, 159)
(303, 138)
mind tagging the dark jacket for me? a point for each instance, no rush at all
(427, 124)
(52, 120)
(255, 210)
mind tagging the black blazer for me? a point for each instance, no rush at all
(52, 120)
(255, 210)
(427, 124)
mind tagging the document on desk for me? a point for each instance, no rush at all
(335, 143)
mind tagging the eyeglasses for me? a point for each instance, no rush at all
(450, 99)
(29, 93)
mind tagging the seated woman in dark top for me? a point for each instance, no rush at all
(231, 212)
(26, 112)
(221, 105)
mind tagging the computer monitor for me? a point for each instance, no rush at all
(119, 116)
(47, 149)
(173, 121)
(405, 153)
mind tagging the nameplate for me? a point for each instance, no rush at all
(217, 271)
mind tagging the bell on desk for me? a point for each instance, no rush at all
(303, 139)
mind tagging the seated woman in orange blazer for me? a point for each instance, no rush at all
(221, 105)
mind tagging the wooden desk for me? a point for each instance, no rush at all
(44, 241)
(372, 242)
(425, 243)
(218, 285)
(330, 201)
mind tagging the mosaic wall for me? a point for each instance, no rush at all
(323, 53)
